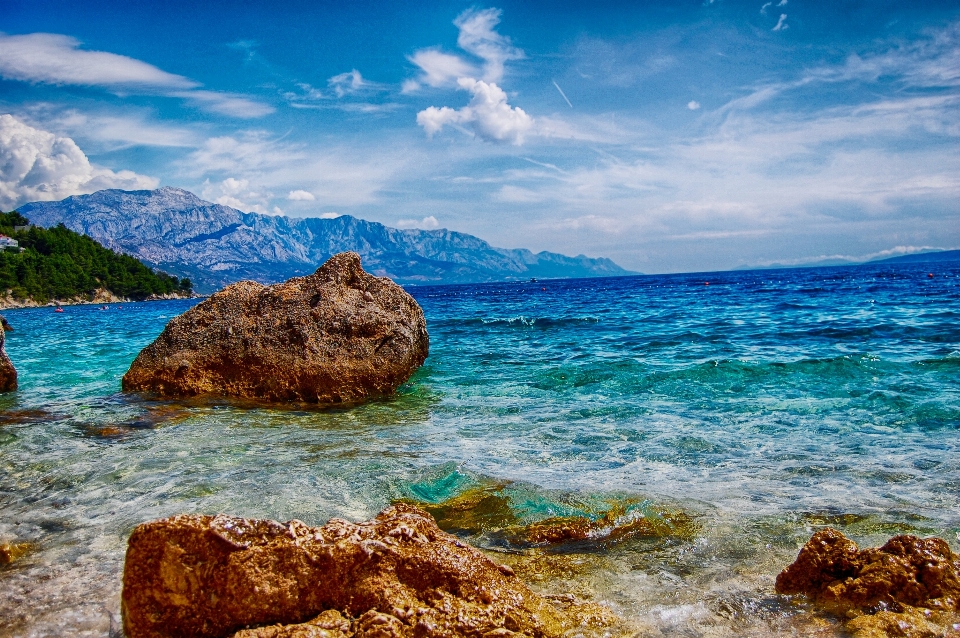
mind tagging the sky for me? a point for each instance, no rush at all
(668, 136)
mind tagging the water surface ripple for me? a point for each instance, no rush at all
(766, 404)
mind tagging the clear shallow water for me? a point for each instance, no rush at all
(765, 404)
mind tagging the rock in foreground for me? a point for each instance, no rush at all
(905, 588)
(397, 575)
(338, 335)
(831, 569)
(8, 374)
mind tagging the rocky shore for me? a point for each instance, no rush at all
(396, 576)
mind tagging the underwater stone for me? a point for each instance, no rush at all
(8, 374)
(906, 571)
(338, 335)
(397, 575)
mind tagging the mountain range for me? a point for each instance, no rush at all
(215, 245)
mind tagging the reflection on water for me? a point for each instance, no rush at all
(717, 428)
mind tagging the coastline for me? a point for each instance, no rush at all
(99, 297)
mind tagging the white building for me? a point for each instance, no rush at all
(8, 242)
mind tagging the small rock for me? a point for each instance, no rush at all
(10, 552)
(831, 569)
(5, 324)
(338, 335)
(8, 374)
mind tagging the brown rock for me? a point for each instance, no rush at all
(397, 575)
(10, 552)
(337, 335)
(907, 571)
(8, 374)
(909, 623)
(5, 324)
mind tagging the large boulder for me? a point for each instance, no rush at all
(398, 575)
(8, 374)
(338, 335)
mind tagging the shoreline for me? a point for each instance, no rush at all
(100, 297)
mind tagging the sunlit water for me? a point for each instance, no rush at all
(765, 405)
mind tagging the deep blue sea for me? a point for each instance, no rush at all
(764, 404)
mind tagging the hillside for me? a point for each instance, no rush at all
(935, 256)
(57, 263)
(215, 245)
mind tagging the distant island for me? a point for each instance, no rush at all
(214, 245)
(913, 258)
(44, 265)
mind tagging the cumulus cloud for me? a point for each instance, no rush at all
(50, 58)
(439, 69)
(427, 223)
(301, 196)
(237, 193)
(477, 36)
(488, 115)
(693, 105)
(36, 165)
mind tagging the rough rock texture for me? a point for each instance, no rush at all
(397, 575)
(832, 570)
(5, 324)
(8, 374)
(337, 335)
(909, 623)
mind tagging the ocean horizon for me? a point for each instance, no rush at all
(740, 411)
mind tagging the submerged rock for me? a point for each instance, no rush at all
(517, 515)
(8, 374)
(895, 590)
(9, 552)
(337, 335)
(397, 575)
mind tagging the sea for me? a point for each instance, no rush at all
(759, 406)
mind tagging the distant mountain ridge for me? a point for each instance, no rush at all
(215, 245)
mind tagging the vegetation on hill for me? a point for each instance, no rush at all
(57, 263)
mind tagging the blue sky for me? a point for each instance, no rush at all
(667, 136)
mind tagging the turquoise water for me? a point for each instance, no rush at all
(764, 405)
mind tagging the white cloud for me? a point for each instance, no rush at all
(349, 82)
(111, 131)
(228, 104)
(763, 9)
(439, 69)
(330, 215)
(781, 23)
(236, 193)
(427, 223)
(488, 115)
(693, 105)
(36, 165)
(477, 36)
(49, 58)
(782, 3)
(301, 196)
